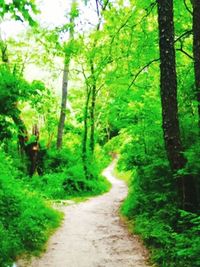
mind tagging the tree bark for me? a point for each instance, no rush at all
(94, 83)
(65, 82)
(196, 51)
(92, 117)
(61, 123)
(85, 135)
(92, 110)
(168, 89)
(31, 150)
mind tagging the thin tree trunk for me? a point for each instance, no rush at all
(196, 50)
(32, 151)
(85, 135)
(65, 82)
(170, 122)
(92, 111)
(63, 105)
(94, 83)
(92, 117)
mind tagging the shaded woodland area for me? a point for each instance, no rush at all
(130, 87)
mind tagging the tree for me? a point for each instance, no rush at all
(94, 89)
(196, 50)
(68, 53)
(170, 121)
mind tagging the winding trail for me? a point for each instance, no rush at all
(93, 235)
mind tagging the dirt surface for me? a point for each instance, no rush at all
(93, 235)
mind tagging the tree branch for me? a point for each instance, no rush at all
(184, 52)
(100, 87)
(187, 8)
(144, 67)
(149, 10)
(97, 7)
(185, 34)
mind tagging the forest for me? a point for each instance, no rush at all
(114, 78)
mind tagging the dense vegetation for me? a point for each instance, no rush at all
(131, 86)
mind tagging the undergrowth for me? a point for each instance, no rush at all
(26, 218)
(64, 176)
(171, 234)
(65, 185)
(26, 221)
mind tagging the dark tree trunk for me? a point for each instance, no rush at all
(92, 110)
(85, 135)
(31, 150)
(168, 82)
(170, 122)
(94, 83)
(22, 131)
(92, 117)
(196, 50)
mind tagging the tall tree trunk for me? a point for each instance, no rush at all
(61, 123)
(92, 117)
(85, 134)
(196, 50)
(94, 82)
(170, 122)
(92, 110)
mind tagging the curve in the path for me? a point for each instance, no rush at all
(92, 235)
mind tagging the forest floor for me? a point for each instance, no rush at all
(93, 234)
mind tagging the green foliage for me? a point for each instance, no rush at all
(5, 129)
(193, 164)
(25, 219)
(120, 59)
(172, 234)
(59, 160)
(14, 88)
(71, 183)
(64, 175)
(19, 10)
(171, 246)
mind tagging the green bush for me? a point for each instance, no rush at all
(67, 184)
(59, 160)
(172, 235)
(25, 219)
(64, 176)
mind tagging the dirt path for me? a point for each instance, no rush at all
(92, 235)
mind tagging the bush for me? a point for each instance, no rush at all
(69, 183)
(25, 219)
(172, 235)
(64, 176)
